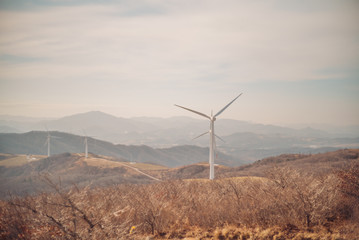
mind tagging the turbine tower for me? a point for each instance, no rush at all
(212, 135)
(86, 143)
(86, 148)
(48, 143)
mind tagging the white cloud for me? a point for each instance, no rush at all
(252, 42)
(176, 46)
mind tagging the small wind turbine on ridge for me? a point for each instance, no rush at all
(86, 144)
(212, 135)
(48, 142)
(86, 148)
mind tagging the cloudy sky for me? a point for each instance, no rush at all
(294, 61)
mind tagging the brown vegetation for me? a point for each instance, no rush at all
(71, 168)
(316, 164)
(286, 204)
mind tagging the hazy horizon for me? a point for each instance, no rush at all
(296, 62)
(319, 126)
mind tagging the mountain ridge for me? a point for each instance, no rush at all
(243, 140)
(34, 143)
(39, 123)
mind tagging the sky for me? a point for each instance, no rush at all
(294, 61)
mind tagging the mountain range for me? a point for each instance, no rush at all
(34, 143)
(243, 141)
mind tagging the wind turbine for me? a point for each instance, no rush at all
(86, 147)
(86, 144)
(48, 142)
(212, 135)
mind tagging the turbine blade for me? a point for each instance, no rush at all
(199, 113)
(200, 135)
(46, 142)
(217, 114)
(220, 138)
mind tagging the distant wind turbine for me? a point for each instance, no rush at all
(86, 144)
(212, 135)
(86, 148)
(48, 142)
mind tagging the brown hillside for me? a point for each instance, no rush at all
(18, 177)
(317, 164)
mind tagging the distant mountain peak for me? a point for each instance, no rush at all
(91, 114)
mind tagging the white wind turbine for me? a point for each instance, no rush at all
(48, 142)
(86, 144)
(86, 147)
(212, 135)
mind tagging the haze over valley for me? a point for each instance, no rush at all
(243, 141)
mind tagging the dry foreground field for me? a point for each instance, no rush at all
(276, 198)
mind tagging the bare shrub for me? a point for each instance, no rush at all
(303, 200)
(149, 205)
(60, 215)
(349, 188)
(349, 182)
(11, 225)
(222, 209)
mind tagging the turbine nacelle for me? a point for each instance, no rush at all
(212, 118)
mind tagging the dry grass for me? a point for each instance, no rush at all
(285, 205)
(275, 233)
(100, 162)
(236, 180)
(244, 178)
(146, 166)
(5, 156)
(108, 163)
(19, 160)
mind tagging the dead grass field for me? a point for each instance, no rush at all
(284, 204)
(146, 166)
(105, 163)
(236, 180)
(19, 160)
(109, 162)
